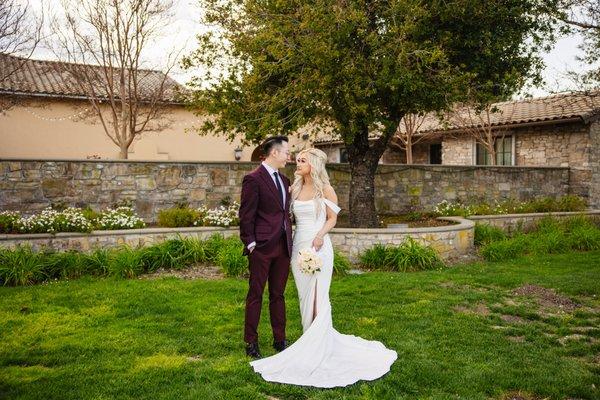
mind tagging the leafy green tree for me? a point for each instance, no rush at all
(583, 16)
(356, 67)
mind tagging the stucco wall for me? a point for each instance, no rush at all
(41, 129)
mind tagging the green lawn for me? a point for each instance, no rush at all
(460, 333)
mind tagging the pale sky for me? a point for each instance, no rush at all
(185, 25)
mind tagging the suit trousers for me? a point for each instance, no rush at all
(270, 264)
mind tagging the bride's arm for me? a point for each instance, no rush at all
(330, 195)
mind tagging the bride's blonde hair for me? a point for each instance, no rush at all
(317, 160)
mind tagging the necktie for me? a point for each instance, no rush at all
(279, 188)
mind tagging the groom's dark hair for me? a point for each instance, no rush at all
(271, 142)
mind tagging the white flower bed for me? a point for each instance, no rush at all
(119, 218)
(70, 219)
(220, 216)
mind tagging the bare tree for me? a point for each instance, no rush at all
(408, 134)
(20, 33)
(105, 41)
(477, 121)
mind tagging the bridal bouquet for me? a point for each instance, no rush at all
(308, 261)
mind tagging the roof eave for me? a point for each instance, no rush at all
(74, 97)
(510, 126)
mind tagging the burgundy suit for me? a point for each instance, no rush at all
(266, 221)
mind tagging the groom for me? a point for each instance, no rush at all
(266, 231)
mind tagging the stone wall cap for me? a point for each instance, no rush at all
(119, 232)
(461, 225)
(254, 163)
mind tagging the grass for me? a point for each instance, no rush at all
(107, 338)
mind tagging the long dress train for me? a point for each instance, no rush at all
(321, 357)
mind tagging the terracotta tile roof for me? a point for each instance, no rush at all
(58, 79)
(564, 106)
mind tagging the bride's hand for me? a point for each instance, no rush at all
(317, 243)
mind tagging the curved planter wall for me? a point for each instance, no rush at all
(448, 240)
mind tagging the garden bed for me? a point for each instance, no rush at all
(411, 220)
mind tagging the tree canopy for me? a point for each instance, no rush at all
(358, 67)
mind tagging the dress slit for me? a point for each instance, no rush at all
(314, 311)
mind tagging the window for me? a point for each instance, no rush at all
(343, 155)
(503, 146)
(435, 153)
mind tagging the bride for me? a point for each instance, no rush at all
(321, 357)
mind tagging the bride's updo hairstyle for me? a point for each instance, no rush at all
(317, 160)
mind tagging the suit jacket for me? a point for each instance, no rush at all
(261, 213)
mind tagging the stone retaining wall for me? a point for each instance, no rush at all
(449, 241)
(31, 185)
(109, 239)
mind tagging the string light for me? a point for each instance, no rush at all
(87, 109)
(58, 119)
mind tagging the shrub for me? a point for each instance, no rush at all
(543, 204)
(413, 256)
(179, 217)
(549, 242)
(20, 266)
(505, 249)
(195, 250)
(167, 254)
(572, 203)
(577, 222)
(97, 262)
(585, 238)
(408, 256)
(212, 246)
(374, 257)
(341, 264)
(174, 253)
(485, 233)
(125, 263)
(90, 214)
(548, 225)
(231, 259)
(61, 265)
(8, 221)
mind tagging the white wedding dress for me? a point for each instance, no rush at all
(321, 357)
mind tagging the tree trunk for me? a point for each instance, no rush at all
(362, 196)
(123, 153)
(409, 155)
